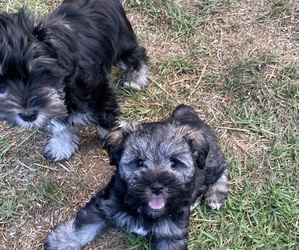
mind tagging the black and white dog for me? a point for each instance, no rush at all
(164, 170)
(54, 70)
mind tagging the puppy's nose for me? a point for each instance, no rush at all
(28, 115)
(157, 188)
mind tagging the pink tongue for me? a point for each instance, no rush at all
(156, 202)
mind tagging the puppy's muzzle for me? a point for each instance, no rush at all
(29, 115)
(157, 188)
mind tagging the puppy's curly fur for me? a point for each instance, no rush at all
(164, 169)
(54, 70)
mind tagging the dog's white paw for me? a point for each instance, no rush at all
(213, 204)
(132, 85)
(137, 79)
(61, 147)
(217, 193)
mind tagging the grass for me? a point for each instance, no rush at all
(278, 8)
(236, 63)
(182, 21)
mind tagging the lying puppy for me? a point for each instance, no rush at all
(164, 169)
(54, 70)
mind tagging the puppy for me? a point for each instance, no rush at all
(164, 169)
(54, 70)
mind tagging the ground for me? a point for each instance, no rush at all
(236, 63)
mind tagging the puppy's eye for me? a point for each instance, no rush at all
(140, 163)
(3, 88)
(39, 33)
(174, 163)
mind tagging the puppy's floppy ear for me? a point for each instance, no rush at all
(114, 143)
(184, 115)
(199, 146)
(186, 118)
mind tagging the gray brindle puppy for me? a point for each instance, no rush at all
(164, 170)
(54, 70)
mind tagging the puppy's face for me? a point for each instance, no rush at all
(31, 89)
(158, 164)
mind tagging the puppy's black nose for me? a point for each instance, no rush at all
(28, 115)
(157, 188)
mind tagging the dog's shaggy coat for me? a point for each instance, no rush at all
(164, 169)
(54, 70)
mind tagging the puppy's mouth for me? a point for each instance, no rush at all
(156, 202)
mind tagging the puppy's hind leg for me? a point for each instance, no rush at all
(217, 192)
(133, 62)
(77, 232)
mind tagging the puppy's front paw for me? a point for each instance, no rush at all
(63, 237)
(60, 148)
(74, 234)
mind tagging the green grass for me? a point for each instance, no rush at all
(47, 192)
(175, 66)
(20, 194)
(199, 55)
(137, 242)
(40, 7)
(278, 8)
(181, 21)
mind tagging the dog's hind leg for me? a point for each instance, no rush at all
(217, 192)
(133, 62)
(64, 141)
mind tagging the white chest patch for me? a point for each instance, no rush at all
(4, 94)
(139, 230)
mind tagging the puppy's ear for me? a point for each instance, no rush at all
(184, 114)
(186, 118)
(199, 146)
(114, 143)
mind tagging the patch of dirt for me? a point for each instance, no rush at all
(77, 180)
